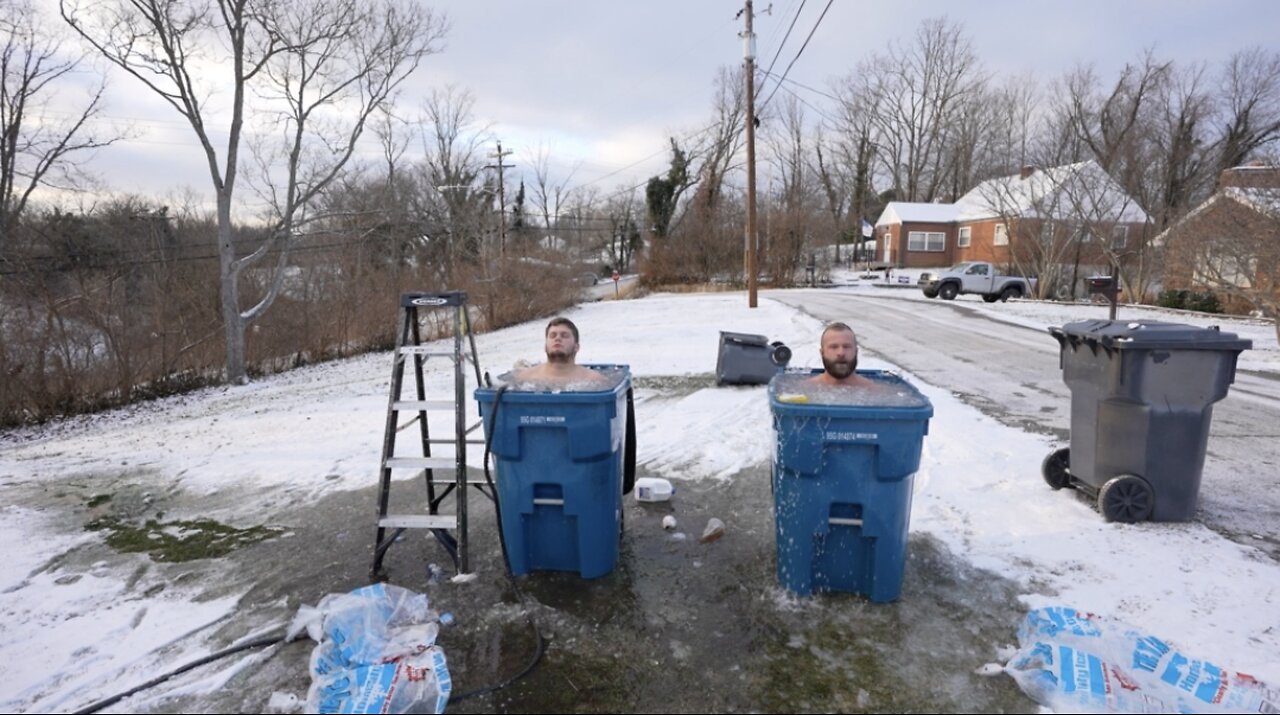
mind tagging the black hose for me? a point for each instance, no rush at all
(629, 450)
(540, 642)
(232, 650)
(497, 500)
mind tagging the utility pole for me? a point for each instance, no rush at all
(749, 52)
(502, 200)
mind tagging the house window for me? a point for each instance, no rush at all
(1119, 237)
(1225, 269)
(963, 242)
(1002, 235)
(926, 241)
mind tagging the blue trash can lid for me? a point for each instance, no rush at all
(1149, 335)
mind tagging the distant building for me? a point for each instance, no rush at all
(1034, 221)
(1230, 244)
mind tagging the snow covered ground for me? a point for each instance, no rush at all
(72, 631)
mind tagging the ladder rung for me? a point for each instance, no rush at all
(443, 440)
(449, 405)
(428, 463)
(421, 463)
(419, 521)
(472, 482)
(428, 351)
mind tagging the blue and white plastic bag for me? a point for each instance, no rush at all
(1076, 662)
(375, 653)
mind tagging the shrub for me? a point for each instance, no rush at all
(1206, 302)
(1172, 298)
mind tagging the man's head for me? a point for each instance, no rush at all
(839, 349)
(561, 341)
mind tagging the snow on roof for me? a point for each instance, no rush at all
(1266, 200)
(1073, 191)
(903, 211)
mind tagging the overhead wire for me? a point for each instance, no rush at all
(787, 71)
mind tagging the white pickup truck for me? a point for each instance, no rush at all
(975, 277)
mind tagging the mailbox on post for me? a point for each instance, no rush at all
(1107, 287)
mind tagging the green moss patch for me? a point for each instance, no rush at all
(98, 500)
(178, 540)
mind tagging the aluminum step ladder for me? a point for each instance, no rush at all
(449, 529)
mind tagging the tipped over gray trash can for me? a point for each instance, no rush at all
(1142, 397)
(746, 359)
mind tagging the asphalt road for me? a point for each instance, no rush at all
(1011, 373)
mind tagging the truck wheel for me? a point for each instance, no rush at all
(1010, 292)
(990, 297)
(948, 291)
(1127, 499)
(1055, 468)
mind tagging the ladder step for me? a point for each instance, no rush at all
(425, 350)
(449, 463)
(454, 441)
(421, 463)
(419, 521)
(428, 351)
(473, 482)
(420, 405)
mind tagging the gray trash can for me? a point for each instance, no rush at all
(746, 359)
(1142, 397)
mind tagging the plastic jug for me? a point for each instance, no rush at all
(653, 489)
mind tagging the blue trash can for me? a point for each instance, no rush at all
(842, 476)
(560, 465)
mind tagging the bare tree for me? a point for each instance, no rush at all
(1250, 103)
(788, 234)
(36, 146)
(313, 71)
(456, 203)
(917, 90)
(835, 182)
(624, 214)
(551, 193)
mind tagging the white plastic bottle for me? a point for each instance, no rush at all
(653, 489)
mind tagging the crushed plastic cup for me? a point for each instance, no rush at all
(714, 530)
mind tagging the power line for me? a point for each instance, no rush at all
(801, 52)
(801, 85)
(784, 37)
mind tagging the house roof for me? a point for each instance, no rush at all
(907, 212)
(1265, 201)
(1071, 191)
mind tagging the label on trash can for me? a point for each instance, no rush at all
(542, 419)
(832, 436)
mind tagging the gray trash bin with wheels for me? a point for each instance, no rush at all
(1142, 396)
(746, 359)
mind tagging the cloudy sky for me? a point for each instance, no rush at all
(601, 84)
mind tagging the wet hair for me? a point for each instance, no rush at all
(558, 320)
(836, 326)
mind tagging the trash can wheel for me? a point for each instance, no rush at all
(1055, 468)
(1127, 499)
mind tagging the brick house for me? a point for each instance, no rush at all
(1065, 220)
(1230, 244)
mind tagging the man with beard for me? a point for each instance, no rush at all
(561, 367)
(839, 349)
